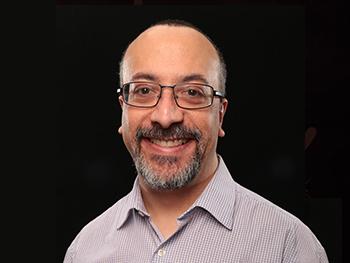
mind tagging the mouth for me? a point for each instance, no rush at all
(168, 143)
(168, 146)
(176, 140)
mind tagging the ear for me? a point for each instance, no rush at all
(121, 101)
(222, 112)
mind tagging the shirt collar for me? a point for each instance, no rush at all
(133, 201)
(217, 199)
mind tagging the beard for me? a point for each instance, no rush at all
(171, 174)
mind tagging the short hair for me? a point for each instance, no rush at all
(182, 23)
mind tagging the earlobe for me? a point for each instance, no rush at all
(221, 132)
(120, 130)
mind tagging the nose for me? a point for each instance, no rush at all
(167, 112)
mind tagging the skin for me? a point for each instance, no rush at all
(168, 54)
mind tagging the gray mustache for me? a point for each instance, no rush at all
(175, 131)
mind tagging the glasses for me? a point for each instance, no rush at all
(187, 95)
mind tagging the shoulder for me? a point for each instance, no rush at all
(107, 219)
(272, 222)
(255, 208)
(255, 205)
(98, 229)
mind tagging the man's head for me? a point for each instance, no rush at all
(172, 146)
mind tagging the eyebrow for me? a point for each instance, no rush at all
(186, 78)
(144, 76)
(195, 77)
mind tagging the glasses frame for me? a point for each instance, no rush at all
(215, 93)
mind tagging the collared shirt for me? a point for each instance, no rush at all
(227, 223)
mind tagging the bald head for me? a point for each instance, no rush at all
(170, 50)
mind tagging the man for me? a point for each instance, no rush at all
(184, 206)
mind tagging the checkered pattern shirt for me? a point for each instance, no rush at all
(227, 223)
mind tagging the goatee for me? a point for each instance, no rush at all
(172, 176)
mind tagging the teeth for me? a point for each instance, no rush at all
(170, 143)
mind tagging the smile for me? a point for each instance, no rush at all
(169, 143)
(168, 146)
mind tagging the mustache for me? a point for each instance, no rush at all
(175, 131)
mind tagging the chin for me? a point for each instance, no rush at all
(168, 172)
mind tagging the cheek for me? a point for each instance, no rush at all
(128, 129)
(131, 121)
(208, 124)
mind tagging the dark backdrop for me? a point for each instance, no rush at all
(264, 48)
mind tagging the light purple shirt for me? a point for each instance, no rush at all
(227, 223)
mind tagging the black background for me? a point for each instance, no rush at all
(271, 65)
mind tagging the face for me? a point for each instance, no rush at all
(172, 147)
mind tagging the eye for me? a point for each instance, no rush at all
(143, 90)
(192, 92)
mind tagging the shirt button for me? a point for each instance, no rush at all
(161, 252)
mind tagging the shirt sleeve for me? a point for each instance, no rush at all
(302, 246)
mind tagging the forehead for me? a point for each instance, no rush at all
(169, 52)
